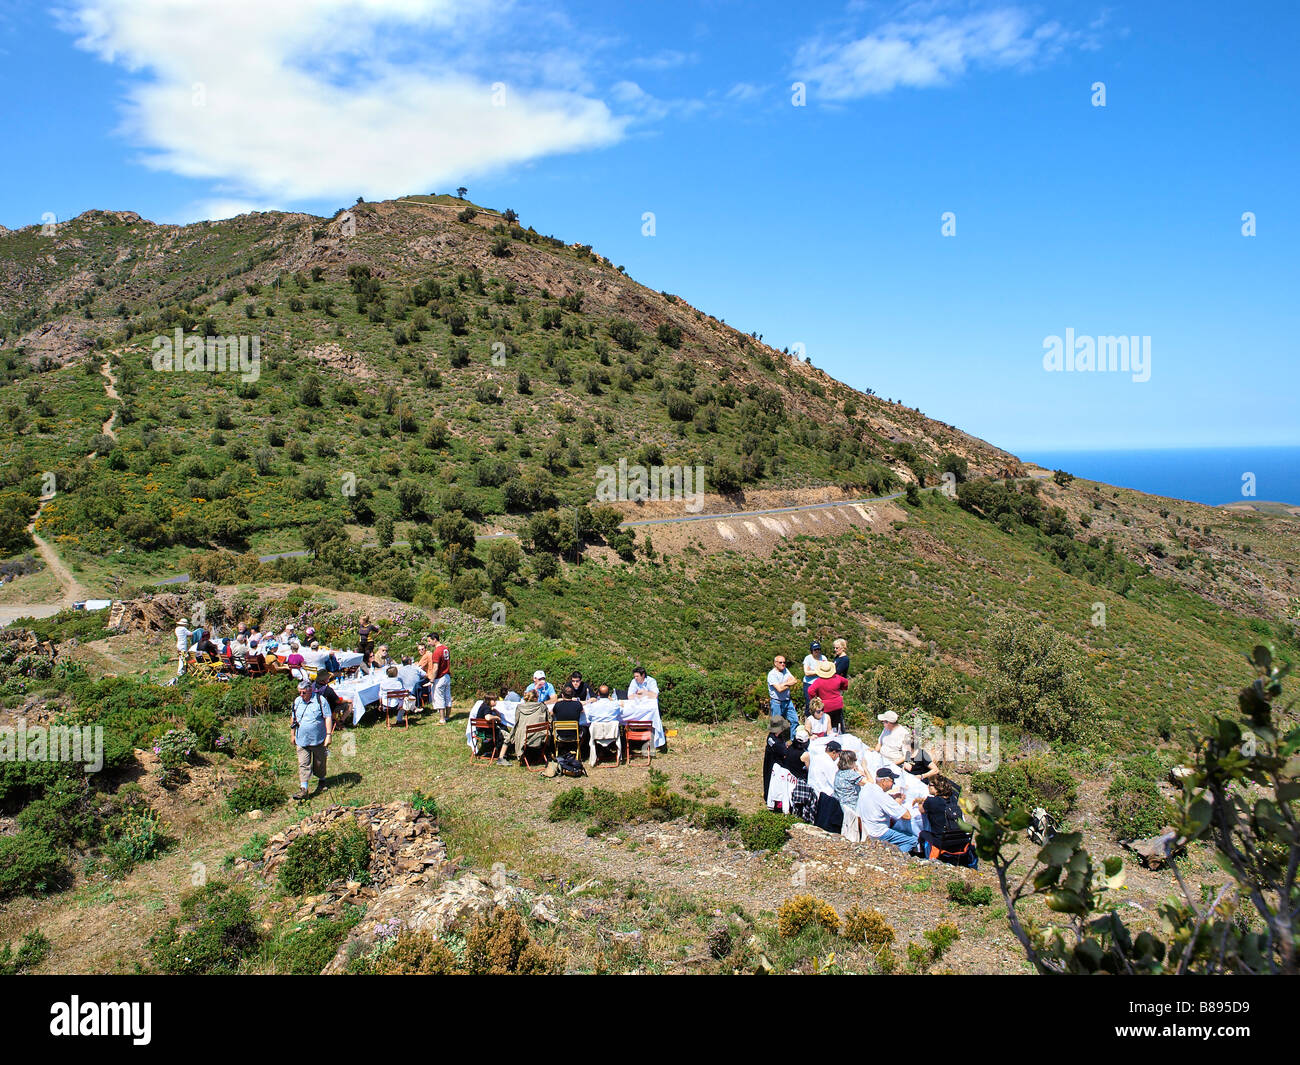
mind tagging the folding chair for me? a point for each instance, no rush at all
(540, 728)
(485, 731)
(638, 732)
(566, 732)
(395, 700)
(604, 734)
(256, 667)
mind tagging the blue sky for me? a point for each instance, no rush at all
(815, 225)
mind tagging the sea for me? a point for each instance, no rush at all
(1215, 475)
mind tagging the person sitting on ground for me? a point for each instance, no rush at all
(643, 685)
(774, 752)
(817, 723)
(895, 739)
(829, 687)
(581, 691)
(391, 682)
(822, 765)
(883, 817)
(919, 763)
(803, 800)
(943, 831)
(543, 688)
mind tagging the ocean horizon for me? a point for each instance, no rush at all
(1212, 475)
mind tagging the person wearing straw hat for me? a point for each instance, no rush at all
(182, 643)
(311, 729)
(895, 740)
(828, 686)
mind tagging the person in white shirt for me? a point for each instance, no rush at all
(391, 682)
(819, 722)
(883, 817)
(642, 686)
(895, 740)
(182, 644)
(811, 661)
(780, 681)
(822, 766)
(603, 707)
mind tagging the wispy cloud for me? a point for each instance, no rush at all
(295, 100)
(922, 47)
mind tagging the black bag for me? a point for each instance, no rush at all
(569, 766)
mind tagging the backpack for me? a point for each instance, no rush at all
(1042, 829)
(569, 766)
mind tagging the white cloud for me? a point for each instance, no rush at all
(292, 100)
(924, 52)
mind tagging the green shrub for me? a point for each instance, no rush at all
(134, 837)
(254, 847)
(316, 860)
(33, 950)
(765, 830)
(176, 748)
(1136, 809)
(965, 893)
(1031, 782)
(215, 933)
(424, 804)
(30, 864)
(569, 805)
(255, 793)
(1036, 681)
(306, 949)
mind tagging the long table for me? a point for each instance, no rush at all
(628, 710)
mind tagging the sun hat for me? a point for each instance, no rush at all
(826, 669)
(889, 716)
(777, 724)
(304, 685)
(182, 621)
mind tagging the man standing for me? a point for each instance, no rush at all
(779, 682)
(311, 729)
(441, 678)
(883, 817)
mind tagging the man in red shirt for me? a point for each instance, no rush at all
(440, 677)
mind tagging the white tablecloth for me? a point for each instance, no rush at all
(361, 690)
(629, 710)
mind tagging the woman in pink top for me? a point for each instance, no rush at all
(827, 687)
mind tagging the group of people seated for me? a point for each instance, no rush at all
(892, 792)
(503, 725)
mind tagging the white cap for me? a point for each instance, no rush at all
(889, 716)
(539, 675)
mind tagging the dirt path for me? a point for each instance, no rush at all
(110, 387)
